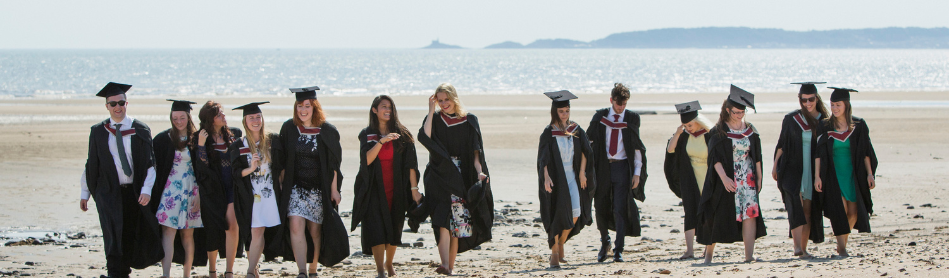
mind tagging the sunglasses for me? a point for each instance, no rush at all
(810, 99)
(114, 103)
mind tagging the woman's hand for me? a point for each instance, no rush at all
(774, 172)
(432, 100)
(143, 199)
(255, 161)
(196, 204)
(818, 185)
(871, 181)
(416, 196)
(335, 197)
(583, 180)
(202, 137)
(548, 184)
(680, 129)
(483, 177)
(729, 184)
(389, 138)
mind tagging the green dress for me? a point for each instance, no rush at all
(843, 165)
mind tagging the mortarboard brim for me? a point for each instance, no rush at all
(741, 98)
(181, 105)
(561, 98)
(688, 111)
(305, 93)
(112, 89)
(251, 108)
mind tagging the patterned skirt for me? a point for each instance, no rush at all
(306, 203)
(460, 218)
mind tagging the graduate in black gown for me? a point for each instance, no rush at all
(309, 171)
(119, 176)
(565, 177)
(728, 210)
(212, 168)
(386, 185)
(846, 164)
(176, 191)
(619, 159)
(457, 187)
(686, 165)
(255, 186)
(793, 168)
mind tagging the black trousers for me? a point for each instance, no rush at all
(118, 264)
(620, 183)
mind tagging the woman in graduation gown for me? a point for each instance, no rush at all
(686, 165)
(309, 170)
(728, 210)
(386, 185)
(178, 210)
(255, 186)
(846, 164)
(566, 181)
(794, 171)
(457, 186)
(213, 172)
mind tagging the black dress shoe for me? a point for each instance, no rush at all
(600, 257)
(618, 257)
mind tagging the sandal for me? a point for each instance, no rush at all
(212, 274)
(314, 274)
(229, 272)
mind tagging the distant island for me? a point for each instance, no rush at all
(743, 37)
(438, 45)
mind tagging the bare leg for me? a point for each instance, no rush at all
(554, 256)
(806, 232)
(316, 233)
(796, 235)
(851, 213)
(562, 240)
(256, 249)
(168, 243)
(452, 253)
(298, 241)
(230, 240)
(689, 238)
(378, 254)
(187, 241)
(212, 262)
(390, 256)
(709, 253)
(444, 246)
(851, 209)
(748, 236)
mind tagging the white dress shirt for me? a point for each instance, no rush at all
(123, 179)
(620, 149)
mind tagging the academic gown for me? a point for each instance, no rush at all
(442, 179)
(681, 178)
(556, 209)
(381, 225)
(244, 195)
(789, 169)
(604, 192)
(334, 246)
(211, 192)
(164, 162)
(717, 222)
(144, 249)
(860, 148)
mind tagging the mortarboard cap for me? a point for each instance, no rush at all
(808, 88)
(561, 98)
(840, 94)
(688, 111)
(181, 105)
(112, 89)
(305, 93)
(741, 98)
(250, 108)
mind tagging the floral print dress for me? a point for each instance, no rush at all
(179, 206)
(746, 194)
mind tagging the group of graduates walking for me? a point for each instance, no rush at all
(195, 193)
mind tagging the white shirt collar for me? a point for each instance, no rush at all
(612, 113)
(126, 123)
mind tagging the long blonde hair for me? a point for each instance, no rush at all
(704, 122)
(264, 140)
(449, 90)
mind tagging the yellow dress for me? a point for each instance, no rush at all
(698, 154)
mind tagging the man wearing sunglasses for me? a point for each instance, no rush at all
(119, 176)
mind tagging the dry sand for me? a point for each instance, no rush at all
(45, 145)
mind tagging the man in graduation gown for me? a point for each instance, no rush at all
(119, 176)
(619, 157)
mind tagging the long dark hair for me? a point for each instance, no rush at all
(848, 114)
(819, 105)
(175, 137)
(393, 125)
(206, 116)
(555, 120)
(725, 116)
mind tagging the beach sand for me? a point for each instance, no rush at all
(45, 144)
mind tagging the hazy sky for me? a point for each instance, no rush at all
(410, 24)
